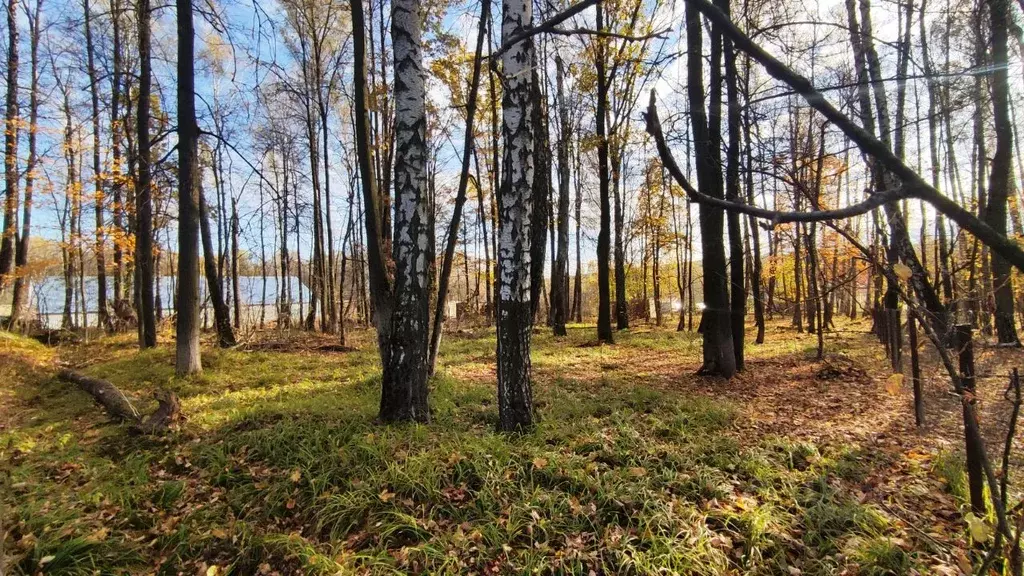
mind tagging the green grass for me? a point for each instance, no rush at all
(281, 465)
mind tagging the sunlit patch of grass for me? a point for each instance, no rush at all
(828, 516)
(951, 469)
(881, 557)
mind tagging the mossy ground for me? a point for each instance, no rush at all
(636, 466)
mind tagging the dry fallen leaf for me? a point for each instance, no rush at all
(893, 384)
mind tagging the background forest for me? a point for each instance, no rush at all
(435, 197)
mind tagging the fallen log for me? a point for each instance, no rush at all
(120, 407)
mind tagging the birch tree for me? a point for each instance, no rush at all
(515, 213)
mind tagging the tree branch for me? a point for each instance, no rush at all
(872, 201)
(606, 34)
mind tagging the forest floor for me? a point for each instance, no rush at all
(637, 466)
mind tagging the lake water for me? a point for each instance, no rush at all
(47, 298)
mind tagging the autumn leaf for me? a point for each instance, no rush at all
(902, 271)
(99, 535)
(296, 475)
(540, 462)
(980, 531)
(893, 384)
(386, 496)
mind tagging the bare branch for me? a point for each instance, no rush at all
(661, 34)
(545, 26)
(872, 201)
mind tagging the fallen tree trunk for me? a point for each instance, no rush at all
(120, 407)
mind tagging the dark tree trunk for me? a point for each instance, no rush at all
(943, 261)
(1002, 168)
(116, 128)
(222, 319)
(11, 130)
(187, 357)
(738, 297)
(19, 301)
(102, 312)
(460, 196)
(577, 285)
(619, 251)
(755, 277)
(560, 277)
(144, 193)
(604, 321)
(541, 198)
(719, 357)
(235, 288)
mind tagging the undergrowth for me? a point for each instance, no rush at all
(281, 468)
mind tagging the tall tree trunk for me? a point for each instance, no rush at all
(316, 281)
(468, 149)
(401, 311)
(330, 299)
(604, 321)
(19, 301)
(755, 277)
(1002, 168)
(116, 131)
(496, 177)
(70, 214)
(235, 253)
(656, 256)
(944, 264)
(619, 250)
(719, 357)
(187, 357)
(901, 248)
(738, 297)
(677, 248)
(144, 193)
(404, 394)
(11, 130)
(515, 322)
(577, 286)
(541, 195)
(221, 316)
(102, 312)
